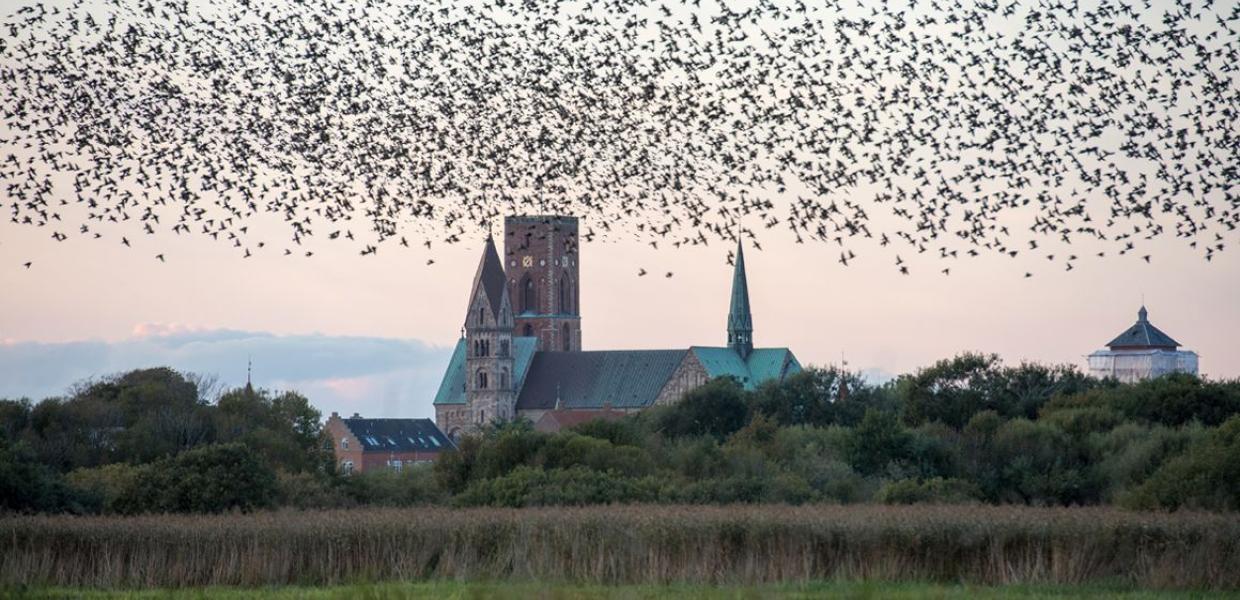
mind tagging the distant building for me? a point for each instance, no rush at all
(555, 420)
(370, 444)
(1141, 352)
(520, 353)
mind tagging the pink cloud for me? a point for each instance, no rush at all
(146, 330)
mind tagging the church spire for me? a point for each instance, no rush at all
(740, 322)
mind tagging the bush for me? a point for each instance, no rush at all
(716, 409)
(576, 486)
(308, 490)
(210, 479)
(1170, 400)
(104, 485)
(1129, 454)
(877, 441)
(569, 449)
(28, 486)
(411, 486)
(1207, 476)
(930, 491)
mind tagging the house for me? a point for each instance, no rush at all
(368, 444)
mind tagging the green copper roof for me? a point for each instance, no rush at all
(762, 365)
(452, 388)
(740, 321)
(621, 378)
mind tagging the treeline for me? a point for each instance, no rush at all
(968, 429)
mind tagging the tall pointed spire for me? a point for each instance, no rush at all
(490, 277)
(740, 322)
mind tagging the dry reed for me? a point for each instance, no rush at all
(632, 544)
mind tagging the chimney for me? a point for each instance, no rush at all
(356, 416)
(335, 415)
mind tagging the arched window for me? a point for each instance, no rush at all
(528, 331)
(482, 416)
(529, 295)
(503, 379)
(482, 315)
(567, 339)
(565, 306)
(482, 379)
(503, 348)
(344, 443)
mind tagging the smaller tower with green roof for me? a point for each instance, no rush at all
(740, 321)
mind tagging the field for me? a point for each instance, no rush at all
(505, 591)
(632, 545)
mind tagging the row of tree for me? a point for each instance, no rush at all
(968, 429)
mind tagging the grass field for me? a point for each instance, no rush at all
(643, 545)
(483, 591)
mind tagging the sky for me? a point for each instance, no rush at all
(372, 335)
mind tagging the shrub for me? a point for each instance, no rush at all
(531, 486)
(308, 490)
(1206, 476)
(716, 409)
(1171, 400)
(209, 479)
(28, 486)
(930, 491)
(877, 441)
(620, 432)
(1129, 454)
(570, 449)
(104, 485)
(414, 485)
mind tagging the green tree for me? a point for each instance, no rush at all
(1206, 476)
(716, 409)
(877, 441)
(28, 486)
(209, 479)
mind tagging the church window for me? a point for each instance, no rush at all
(482, 380)
(347, 467)
(566, 297)
(503, 348)
(482, 416)
(344, 443)
(482, 316)
(529, 295)
(528, 331)
(567, 341)
(503, 379)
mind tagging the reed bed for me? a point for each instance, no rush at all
(630, 544)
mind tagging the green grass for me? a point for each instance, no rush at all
(480, 591)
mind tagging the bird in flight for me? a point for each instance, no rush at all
(955, 127)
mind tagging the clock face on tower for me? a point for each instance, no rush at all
(527, 261)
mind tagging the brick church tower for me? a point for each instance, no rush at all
(541, 257)
(489, 365)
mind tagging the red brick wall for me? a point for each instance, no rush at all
(546, 252)
(379, 460)
(364, 461)
(339, 432)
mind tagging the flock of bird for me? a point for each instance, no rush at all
(947, 127)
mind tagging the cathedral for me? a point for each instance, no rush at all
(520, 353)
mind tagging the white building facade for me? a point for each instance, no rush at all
(1141, 352)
